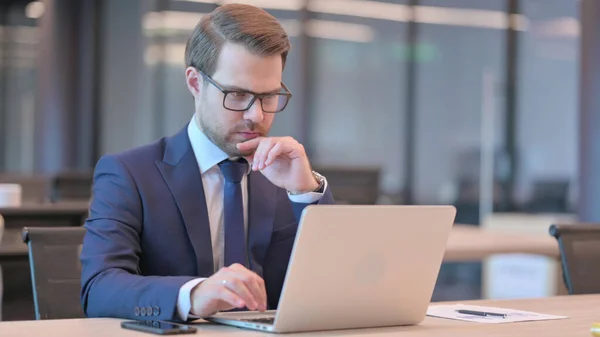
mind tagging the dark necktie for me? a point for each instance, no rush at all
(233, 212)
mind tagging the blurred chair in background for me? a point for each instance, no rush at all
(72, 186)
(580, 256)
(55, 270)
(35, 188)
(18, 301)
(357, 186)
(47, 215)
(549, 196)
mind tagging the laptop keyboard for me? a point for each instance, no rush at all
(262, 320)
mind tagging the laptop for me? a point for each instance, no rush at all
(357, 267)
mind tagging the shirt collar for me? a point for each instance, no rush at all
(207, 153)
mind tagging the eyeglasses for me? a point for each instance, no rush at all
(242, 100)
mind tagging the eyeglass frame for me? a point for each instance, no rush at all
(226, 92)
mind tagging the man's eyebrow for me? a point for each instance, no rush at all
(236, 88)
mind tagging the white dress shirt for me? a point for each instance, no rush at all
(209, 156)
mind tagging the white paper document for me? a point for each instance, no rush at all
(452, 312)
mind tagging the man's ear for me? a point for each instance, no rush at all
(194, 81)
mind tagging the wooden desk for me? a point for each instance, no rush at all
(582, 311)
(468, 243)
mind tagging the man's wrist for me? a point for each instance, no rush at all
(192, 296)
(317, 186)
(185, 299)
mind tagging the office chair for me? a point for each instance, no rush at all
(352, 185)
(55, 270)
(72, 186)
(550, 196)
(18, 294)
(46, 215)
(580, 256)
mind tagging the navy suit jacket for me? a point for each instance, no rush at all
(148, 231)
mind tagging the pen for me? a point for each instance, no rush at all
(480, 313)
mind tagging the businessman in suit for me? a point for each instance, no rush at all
(204, 221)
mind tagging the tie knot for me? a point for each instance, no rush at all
(233, 171)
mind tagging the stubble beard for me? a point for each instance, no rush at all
(224, 139)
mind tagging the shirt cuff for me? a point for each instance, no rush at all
(308, 198)
(184, 299)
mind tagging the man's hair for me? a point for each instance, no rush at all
(255, 29)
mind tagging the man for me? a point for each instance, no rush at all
(204, 221)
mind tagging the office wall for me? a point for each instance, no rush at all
(348, 76)
(19, 40)
(548, 93)
(357, 86)
(126, 116)
(358, 91)
(450, 95)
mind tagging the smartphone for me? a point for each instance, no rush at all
(158, 327)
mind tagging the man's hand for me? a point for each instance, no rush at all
(229, 288)
(283, 161)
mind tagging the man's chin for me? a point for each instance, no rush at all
(232, 150)
(243, 153)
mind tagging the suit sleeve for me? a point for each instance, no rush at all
(112, 284)
(321, 199)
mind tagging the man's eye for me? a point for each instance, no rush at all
(240, 95)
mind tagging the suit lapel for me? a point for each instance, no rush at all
(180, 171)
(262, 202)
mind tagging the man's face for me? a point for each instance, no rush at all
(237, 69)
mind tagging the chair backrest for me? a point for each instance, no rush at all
(352, 185)
(72, 186)
(46, 215)
(550, 196)
(55, 270)
(580, 256)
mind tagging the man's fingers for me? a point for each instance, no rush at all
(229, 297)
(241, 289)
(274, 153)
(261, 153)
(248, 145)
(255, 284)
(268, 149)
(284, 146)
(260, 284)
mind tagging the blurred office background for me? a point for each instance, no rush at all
(429, 101)
(473, 103)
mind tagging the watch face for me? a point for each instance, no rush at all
(321, 188)
(321, 180)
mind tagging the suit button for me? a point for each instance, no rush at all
(156, 311)
(149, 311)
(143, 311)
(136, 311)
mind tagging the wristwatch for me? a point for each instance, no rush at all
(320, 179)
